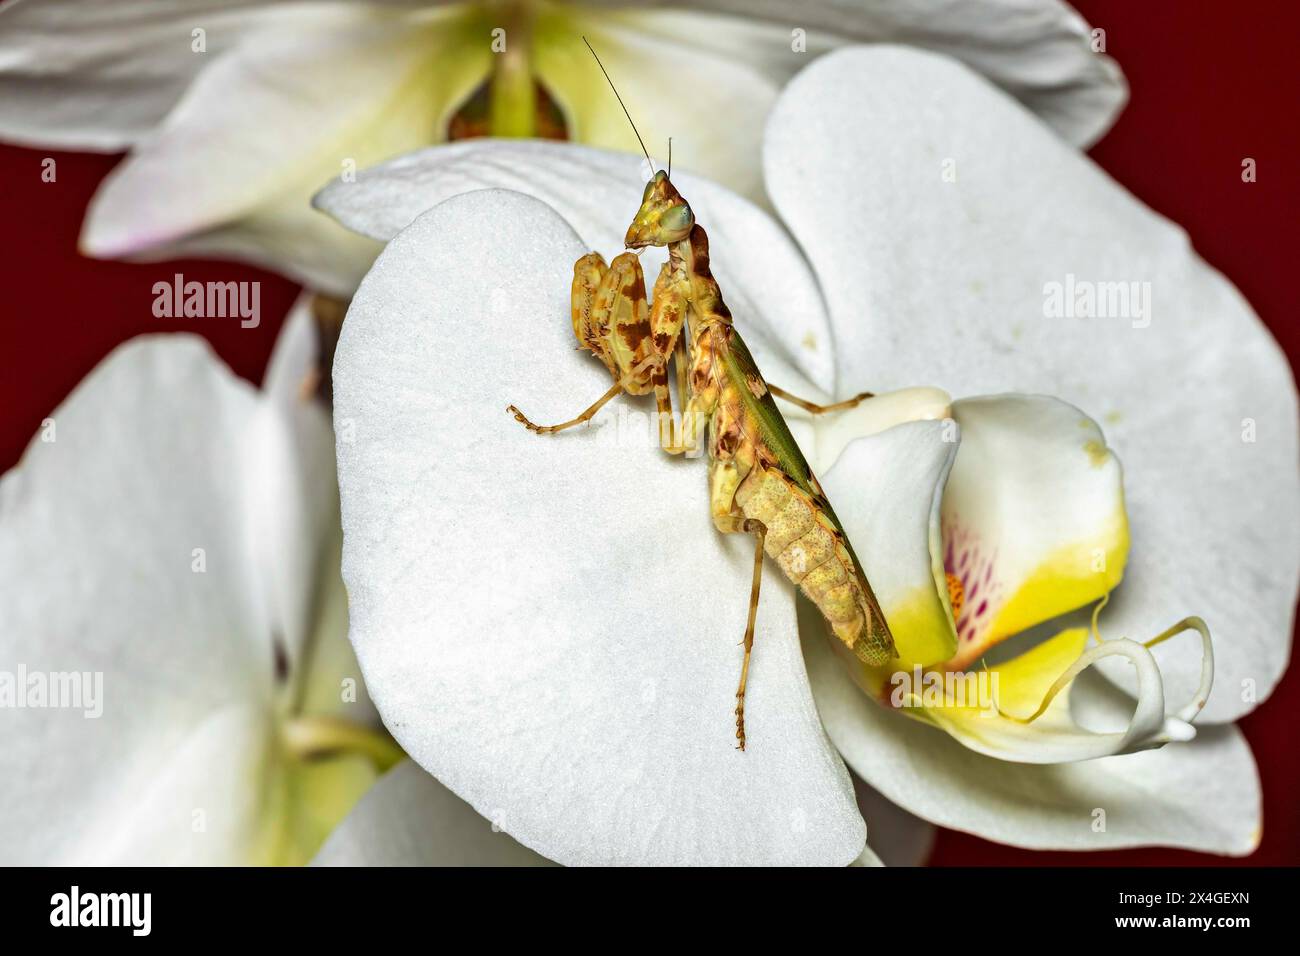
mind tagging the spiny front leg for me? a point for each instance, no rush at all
(700, 407)
(816, 409)
(667, 319)
(590, 323)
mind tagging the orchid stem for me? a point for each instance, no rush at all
(513, 103)
(311, 737)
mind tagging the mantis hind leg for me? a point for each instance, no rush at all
(816, 409)
(724, 478)
(760, 535)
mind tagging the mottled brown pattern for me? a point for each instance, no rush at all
(588, 322)
(634, 334)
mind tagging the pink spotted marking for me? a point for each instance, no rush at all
(965, 556)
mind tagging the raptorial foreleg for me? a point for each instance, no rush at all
(667, 320)
(611, 319)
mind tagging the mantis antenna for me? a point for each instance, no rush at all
(670, 157)
(622, 104)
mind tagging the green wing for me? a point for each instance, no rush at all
(741, 371)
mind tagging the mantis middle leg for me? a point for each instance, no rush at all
(816, 409)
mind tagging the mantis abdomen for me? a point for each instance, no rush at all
(812, 552)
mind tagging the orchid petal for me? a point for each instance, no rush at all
(1024, 715)
(1202, 795)
(1040, 51)
(84, 75)
(763, 276)
(1033, 517)
(833, 432)
(294, 499)
(934, 280)
(886, 490)
(161, 558)
(312, 555)
(205, 534)
(511, 599)
(410, 819)
(682, 69)
(353, 85)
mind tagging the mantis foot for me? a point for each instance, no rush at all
(522, 419)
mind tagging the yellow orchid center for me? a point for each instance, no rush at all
(511, 101)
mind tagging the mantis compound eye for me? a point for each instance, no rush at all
(679, 218)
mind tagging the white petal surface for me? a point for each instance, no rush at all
(549, 625)
(348, 87)
(834, 432)
(87, 75)
(96, 558)
(1037, 50)
(763, 277)
(410, 819)
(949, 282)
(1202, 795)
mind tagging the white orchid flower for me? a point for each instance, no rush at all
(234, 111)
(409, 819)
(548, 627)
(175, 681)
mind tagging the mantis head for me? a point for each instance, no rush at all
(664, 217)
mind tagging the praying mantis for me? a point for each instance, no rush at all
(759, 480)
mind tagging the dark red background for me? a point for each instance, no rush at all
(1212, 83)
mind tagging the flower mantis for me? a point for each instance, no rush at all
(759, 481)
